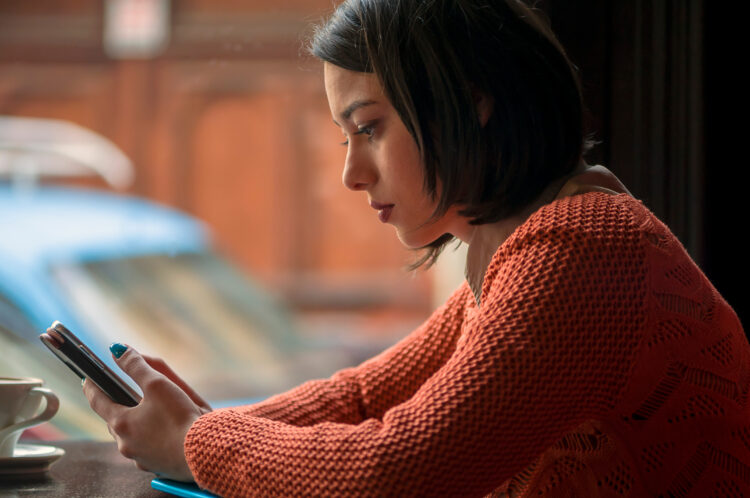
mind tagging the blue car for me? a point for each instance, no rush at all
(115, 268)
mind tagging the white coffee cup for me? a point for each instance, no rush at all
(20, 399)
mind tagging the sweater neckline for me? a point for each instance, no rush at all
(491, 271)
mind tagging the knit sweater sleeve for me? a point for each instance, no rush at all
(550, 348)
(355, 394)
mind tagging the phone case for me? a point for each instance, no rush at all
(87, 365)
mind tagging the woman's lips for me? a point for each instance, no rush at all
(385, 213)
(384, 210)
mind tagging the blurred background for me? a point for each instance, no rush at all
(255, 251)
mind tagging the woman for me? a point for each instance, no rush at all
(586, 355)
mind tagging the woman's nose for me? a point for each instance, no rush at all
(359, 174)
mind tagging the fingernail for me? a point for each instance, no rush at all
(118, 349)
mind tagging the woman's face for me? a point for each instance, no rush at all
(383, 159)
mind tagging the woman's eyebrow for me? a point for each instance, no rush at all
(357, 104)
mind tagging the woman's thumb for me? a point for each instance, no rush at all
(132, 363)
(117, 349)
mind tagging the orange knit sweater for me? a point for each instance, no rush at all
(601, 362)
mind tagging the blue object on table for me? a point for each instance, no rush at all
(187, 489)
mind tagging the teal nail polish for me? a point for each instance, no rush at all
(118, 349)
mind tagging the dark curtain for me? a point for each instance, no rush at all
(656, 78)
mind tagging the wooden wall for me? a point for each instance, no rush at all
(230, 124)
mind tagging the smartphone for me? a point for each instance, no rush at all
(74, 353)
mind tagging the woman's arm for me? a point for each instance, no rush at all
(354, 394)
(552, 347)
(153, 432)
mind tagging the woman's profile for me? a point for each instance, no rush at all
(585, 355)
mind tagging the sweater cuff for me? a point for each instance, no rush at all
(198, 451)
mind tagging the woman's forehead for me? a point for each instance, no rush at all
(349, 90)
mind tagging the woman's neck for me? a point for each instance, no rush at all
(486, 238)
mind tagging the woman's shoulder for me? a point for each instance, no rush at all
(582, 215)
(597, 212)
(565, 233)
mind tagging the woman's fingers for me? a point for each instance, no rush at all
(152, 433)
(161, 366)
(132, 363)
(100, 402)
(145, 369)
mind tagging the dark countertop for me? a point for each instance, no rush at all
(87, 470)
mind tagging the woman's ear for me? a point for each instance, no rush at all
(484, 104)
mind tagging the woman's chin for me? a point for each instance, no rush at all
(407, 240)
(416, 239)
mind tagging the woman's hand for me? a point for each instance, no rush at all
(153, 432)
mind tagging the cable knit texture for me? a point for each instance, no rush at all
(601, 362)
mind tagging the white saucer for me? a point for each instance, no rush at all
(29, 459)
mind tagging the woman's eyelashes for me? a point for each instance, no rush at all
(368, 130)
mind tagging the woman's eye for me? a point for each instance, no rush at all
(368, 130)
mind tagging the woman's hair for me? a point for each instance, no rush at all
(433, 57)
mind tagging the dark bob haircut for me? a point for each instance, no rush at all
(432, 57)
